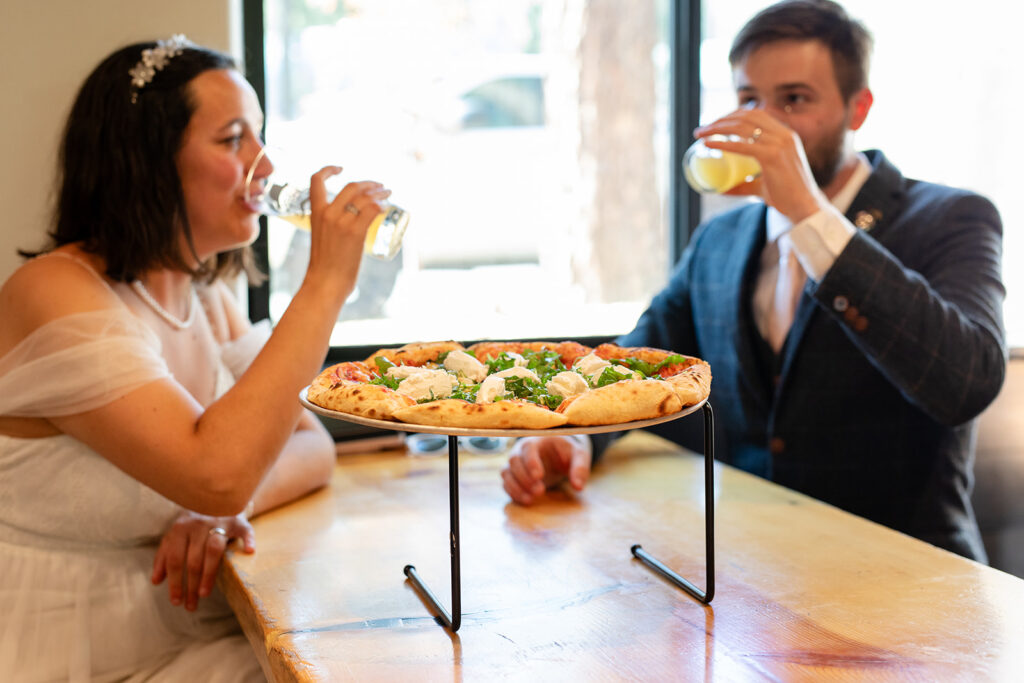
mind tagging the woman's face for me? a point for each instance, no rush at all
(219, 144)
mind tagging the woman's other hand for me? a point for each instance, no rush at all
(190, 553)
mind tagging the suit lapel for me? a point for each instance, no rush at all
(878, 201)
(872, 210)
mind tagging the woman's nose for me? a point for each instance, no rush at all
(262, 165)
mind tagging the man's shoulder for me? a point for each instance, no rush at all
(886, 178)
(935, 206)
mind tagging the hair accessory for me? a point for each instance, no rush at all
(154, 59)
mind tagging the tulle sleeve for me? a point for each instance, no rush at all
(238, 354)
(77, 363)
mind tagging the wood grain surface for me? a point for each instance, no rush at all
(551, 592)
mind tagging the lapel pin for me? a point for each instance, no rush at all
(865, 220)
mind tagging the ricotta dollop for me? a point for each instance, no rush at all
(591, 365)
(420, 383)
(461, 363)
(566, 384)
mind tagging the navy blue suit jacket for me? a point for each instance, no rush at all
(871, 403)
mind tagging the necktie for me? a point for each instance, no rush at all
(788, 286)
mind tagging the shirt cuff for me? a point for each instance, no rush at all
(819, 239)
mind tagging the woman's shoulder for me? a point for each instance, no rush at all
(60, 283)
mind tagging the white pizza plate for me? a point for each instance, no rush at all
(462, 431)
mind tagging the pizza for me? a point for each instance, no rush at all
(513, 385)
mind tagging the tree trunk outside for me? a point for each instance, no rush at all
(622, 216)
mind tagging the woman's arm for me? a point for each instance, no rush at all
(307, 460)
(208, 460)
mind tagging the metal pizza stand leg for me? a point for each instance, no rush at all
(704, 596)
(453, 619)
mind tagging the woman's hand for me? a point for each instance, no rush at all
(537, 463)
(339, 228)
(786, 181)
(190, 553)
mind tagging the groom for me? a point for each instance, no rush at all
(852, 319)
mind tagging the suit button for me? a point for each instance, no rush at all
(840, 303)
(851, 314)
(776, 445)
(860, 324)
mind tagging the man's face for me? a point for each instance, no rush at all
(795, 82)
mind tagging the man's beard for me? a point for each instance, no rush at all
(827, 157)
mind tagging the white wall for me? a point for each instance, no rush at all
(46, 50)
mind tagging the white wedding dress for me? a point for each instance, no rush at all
(78, 536)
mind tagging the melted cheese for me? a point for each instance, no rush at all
(591, 365)
(421, 383)
(461, 363)
(403, 371)
(517, 360)
(490, 389)
(517, 371)
(566, 384)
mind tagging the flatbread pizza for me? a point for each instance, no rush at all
(513, 385)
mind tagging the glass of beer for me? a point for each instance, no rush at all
(285, 194)
(716, 171)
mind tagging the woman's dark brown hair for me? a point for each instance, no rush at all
(847, 39)
(119, 193)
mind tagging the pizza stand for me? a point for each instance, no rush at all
(453, 619)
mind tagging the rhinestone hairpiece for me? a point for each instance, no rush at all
(154, 59)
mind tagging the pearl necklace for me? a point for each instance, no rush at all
(148, 299)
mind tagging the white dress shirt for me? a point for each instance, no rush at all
(816, 242)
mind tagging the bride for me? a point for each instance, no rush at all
(143, 420)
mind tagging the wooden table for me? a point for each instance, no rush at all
(551, 592)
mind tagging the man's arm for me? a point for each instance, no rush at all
(936, 332)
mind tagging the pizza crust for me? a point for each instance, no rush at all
(693, 384)
(625, 401)
(366, 400)
(416, 353)
(451, 412)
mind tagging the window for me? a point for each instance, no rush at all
(505, 102)
(527, 139)
(946, 105)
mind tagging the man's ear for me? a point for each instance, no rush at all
(860, 105)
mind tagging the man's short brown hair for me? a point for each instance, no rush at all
(847, 39)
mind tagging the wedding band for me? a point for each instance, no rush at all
(219, 531)
(352, 209)
(756, 134)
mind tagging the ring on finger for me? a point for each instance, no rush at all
(352, 209)
(218, 531)
(756, 134)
